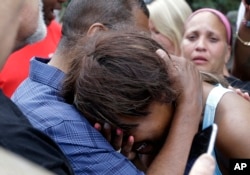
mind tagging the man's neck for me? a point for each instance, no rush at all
(60, 62)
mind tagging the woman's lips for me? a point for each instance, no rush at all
(199, 60)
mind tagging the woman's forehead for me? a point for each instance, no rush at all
(212, 17)
(207, 19)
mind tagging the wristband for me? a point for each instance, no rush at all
(246, 23)
(246, 43)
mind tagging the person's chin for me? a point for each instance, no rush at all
(40, 33)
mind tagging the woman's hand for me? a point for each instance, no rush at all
(116, 139)
(245, 95)
(186, 79)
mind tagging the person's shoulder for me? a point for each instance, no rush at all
(44, 106)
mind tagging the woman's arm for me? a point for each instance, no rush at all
(233, 119)
(174, 153)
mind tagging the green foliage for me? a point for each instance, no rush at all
(65, 4)
(222, 5)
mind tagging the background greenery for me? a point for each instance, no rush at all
(223, 5)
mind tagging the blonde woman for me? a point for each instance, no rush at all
(167, 18)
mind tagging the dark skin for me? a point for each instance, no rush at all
(185, 122)
(184, 112)
(116, 139)
(48, 8)
(241, 64)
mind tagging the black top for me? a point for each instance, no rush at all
(237, 83)
(18, 136)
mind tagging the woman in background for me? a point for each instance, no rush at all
(166, 23)
(119, 79)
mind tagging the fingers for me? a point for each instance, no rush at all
(245, 95)
(161, 53)
(98, 127)
(107, 131)
(117, 140)
(204, 165)
(173, 65)
(127, 148)
(114, 137)
(184, 75)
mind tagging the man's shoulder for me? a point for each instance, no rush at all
(44, 81)
(44, 103)
(45, 108)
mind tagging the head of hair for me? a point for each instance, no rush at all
(169, 17)
(117, 74)
(81, 14)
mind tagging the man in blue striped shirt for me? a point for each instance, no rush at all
(88, 151)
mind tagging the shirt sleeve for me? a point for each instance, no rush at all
(88, 151)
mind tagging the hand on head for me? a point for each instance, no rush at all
(185, 75)
(115, 137)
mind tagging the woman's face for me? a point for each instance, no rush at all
(163, 40)
(205, 42)
(152, 129)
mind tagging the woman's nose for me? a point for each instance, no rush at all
(201, 44)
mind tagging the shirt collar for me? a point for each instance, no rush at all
(43, 73)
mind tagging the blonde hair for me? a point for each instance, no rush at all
(169, 17)
(214, 79)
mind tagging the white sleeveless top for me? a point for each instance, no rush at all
(212, 101)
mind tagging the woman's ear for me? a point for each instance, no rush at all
(228, 54)
(96, 27)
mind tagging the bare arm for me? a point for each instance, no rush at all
(185, 122)
(241, 64)
(232, 117)
(186, 119)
